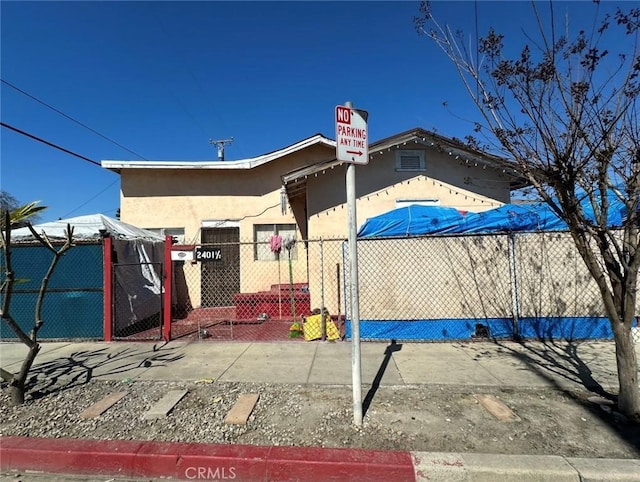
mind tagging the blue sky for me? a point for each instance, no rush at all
(158, 80)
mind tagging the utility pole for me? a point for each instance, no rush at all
(220, 145)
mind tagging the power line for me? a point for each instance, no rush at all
(90, 199)
(31, 136)
(49, 144)
(68, 152)
(71, 118)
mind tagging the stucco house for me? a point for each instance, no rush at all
(295, 192)
(412, 167)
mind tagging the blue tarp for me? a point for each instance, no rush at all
(416, 220)
(412, 220)
(541, 328)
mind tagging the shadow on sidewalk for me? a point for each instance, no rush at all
(555, 360)
(551, 359)
(80, 367)
(388, 352)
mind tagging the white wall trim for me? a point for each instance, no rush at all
(220, 223)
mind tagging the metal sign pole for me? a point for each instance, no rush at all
(356, 365)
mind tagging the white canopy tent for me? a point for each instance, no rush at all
(88, 227)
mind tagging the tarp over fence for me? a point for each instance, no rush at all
(137, 253)
(533, 286)
(416, 220)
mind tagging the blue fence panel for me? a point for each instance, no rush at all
(73, 306)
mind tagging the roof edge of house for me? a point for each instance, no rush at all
(249, 163)
(453, 146)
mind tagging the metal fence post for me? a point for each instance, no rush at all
(167, 294)
(108, 292)
(323, 322)
(513, 271)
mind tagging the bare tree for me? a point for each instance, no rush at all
(17, 382)
(564, 111)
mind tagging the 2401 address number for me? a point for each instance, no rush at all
(208, 254)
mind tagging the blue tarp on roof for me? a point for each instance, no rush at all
(416, 220)
(514, 218)
(412, 220)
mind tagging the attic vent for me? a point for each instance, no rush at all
(407, 160)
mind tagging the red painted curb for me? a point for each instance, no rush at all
(186, 461)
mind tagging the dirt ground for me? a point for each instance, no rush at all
(444, 419)
(435, 418)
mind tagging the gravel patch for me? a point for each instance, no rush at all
(438, 418)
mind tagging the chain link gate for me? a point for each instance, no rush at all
(137, 309)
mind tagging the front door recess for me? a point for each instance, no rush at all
(220, 266)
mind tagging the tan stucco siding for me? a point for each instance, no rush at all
(379, 186)
(185, 197)
(182, 198)
(467, 187)
(481, 182)
(429, 278)
(332, 221)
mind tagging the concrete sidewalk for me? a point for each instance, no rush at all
(504, 364)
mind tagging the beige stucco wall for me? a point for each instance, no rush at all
(184, 198)
(163, 198)
(378, 187)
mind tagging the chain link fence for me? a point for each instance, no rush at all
(434, 288)
(73, 304)
(477, 286)
(258, 291)
(431, 288)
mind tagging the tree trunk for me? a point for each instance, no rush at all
(16, 392)
(618, 294)
(626, 360)
(17, 384)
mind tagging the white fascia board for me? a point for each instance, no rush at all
(224, 223)
(239, 164)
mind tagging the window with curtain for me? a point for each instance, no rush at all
(265, 244)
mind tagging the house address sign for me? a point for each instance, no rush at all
(207, 254)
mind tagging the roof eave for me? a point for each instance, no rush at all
(413, 136)
(318, 139)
